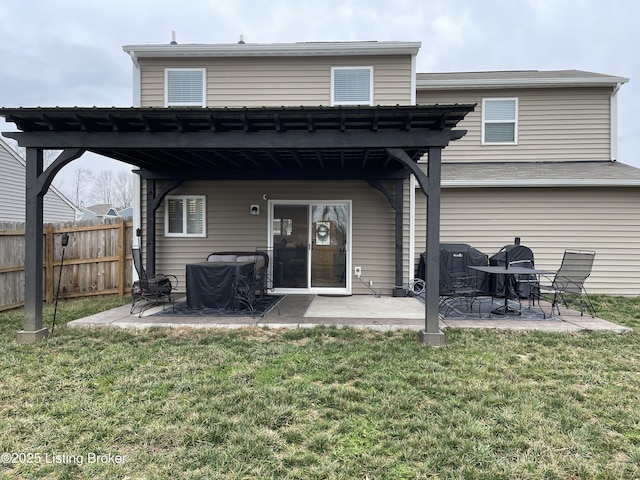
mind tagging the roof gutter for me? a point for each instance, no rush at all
(540, 183)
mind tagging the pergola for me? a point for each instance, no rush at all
(174, 145)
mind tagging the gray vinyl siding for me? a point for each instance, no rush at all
(278, 81)
(549, 220)
(13, 191)
(56, 210)
(553, 124)
(231, 227)
(12, 188)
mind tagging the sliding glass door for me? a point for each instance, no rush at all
(311, 246)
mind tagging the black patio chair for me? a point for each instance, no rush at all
(248, 292)
(458, 290)
(266, 271)
(569, 279)
(526, 285)
(150, 291)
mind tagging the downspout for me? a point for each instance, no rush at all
(614, 124)
(413, 81)
(412, 225)
(412, 184)
(137, 189)
(137, 101)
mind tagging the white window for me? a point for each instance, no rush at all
(500, 121)
(352, 86)
(185, 87)
(185, 216)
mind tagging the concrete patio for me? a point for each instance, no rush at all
(357, 311)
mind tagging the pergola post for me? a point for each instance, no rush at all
(151, 228)
(432, 335)
(33, 330)
(396, 202)
(399, 290)
(430, 185)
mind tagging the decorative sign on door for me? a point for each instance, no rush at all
(323, 233)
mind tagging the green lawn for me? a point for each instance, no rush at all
(320, 403)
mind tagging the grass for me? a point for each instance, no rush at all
(321, 403)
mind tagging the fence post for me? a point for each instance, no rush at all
(122, 257)
(48, 263)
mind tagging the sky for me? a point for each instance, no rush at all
(69, 52)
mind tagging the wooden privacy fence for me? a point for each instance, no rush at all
(97, 261)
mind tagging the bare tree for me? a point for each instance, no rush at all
(103, 188)
(123, 186)
(81, 181)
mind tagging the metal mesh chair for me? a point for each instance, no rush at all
(569, 279)
(526, 285)
(459, 290)
(149, 291)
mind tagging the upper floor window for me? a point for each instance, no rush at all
(185, 216)
(352, 86)
(185, 87)
(500, 121)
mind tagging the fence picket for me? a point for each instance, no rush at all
(97, 261)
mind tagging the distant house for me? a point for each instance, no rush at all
(57, 208)
(126, 212)
(100, 211)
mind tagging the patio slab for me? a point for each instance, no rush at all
(357, 311)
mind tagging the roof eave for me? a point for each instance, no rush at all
(279, 50)
(540, 183)
(519, 83)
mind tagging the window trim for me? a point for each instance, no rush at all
(514, 121)
(184, 232)
(333, 86)
(202, 103)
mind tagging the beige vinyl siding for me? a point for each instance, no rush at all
(278, 81)
(553, 124)
(549, 220)
(231, 227)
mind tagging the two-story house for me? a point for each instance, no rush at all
(538, 161)
(340, 157)
(358, 218)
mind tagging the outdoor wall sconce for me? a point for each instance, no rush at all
(255, 209)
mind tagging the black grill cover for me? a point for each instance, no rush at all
(510, 253)
(455, 258)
